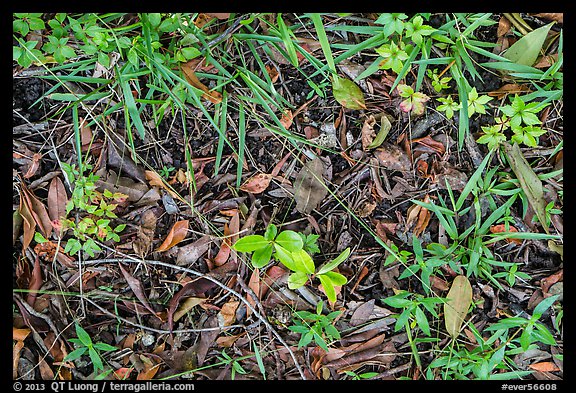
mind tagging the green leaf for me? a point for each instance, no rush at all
(38, 238)
(190, 52)
(75, 354)
(525, 51)
(303, 262)
(328, 287)
(262, 256)
(336, 278)
(422, 321)
(385, 127)
(458, 300)
(96, 360)
(347, 93)
(297, 279)
(104, 347)
(271, 232)
(250, 243)
(285, 257)
(335, 262)
(529, 182)
(290, 240)
(543, 306)
(83, 336)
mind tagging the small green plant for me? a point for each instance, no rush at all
(99, 209)
(416, 30)
(393, 56)
(439, 83)
(165, 171)
(84, 345)
(476, 103)
(293, 250)
(235, 364)
(356, 377)
(448, 106)
(414, 101)
(315, 326)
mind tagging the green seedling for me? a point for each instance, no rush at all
(356, 377)
(393, 57)
(315, 326)
(84, 345)
(476, 103)
(448, 106)
(439, 83)
(165, 171)
(414, 101)
(235, 364)
(393, 23)
(521, 112)
(98, 209)
(416, 30)
(293, 250)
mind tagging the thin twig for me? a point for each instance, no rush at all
(130, 259)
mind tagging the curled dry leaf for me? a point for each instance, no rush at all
(272, 73)
(34, 165)
(37, 210)
(213, 96)
(177, 233)
(392, 157)
(154, 179)
(136, 287)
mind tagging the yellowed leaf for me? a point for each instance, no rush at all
(457, 303)
(213, 96)
(227, 314)
(186, 306)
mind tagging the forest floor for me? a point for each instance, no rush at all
(287, 196)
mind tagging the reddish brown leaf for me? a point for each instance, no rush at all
(28, 222)
(123, 373)
(149, 372)
(34, 165)
(16, 357)
(177, 233)
(57, 200)
(544, 367)
(136, 287)
(46, 372)
(431, 143)
(257, 183)
(555, 16)
(273, 73)
(547, 282)
(510, 88)
(186, 306)
(392, 157)
(502, 228)
(219, 15)
(35, 283)
(230, 236)
(287, 118)
(37, 210)
(214, 96)
(228, 341)
(20, 334)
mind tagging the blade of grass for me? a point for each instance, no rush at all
(222, 109)
(241, 143)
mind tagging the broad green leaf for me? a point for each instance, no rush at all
(529, 182)
(262, 256)
(297, 279)
(303, 262)
(328, 287)
(271, 232)
(250, 243)
(347, 93)
(104, 347)
(96, 360)
(75, 354)
(336, 278)
(385, 127)
(543, 306)
(458, 300)
(525, 51)
(422, 321)
(285, 257)
(335, 262)
(83, 336)
(290, 240)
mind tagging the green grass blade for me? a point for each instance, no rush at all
(241, 143)
(316, 19)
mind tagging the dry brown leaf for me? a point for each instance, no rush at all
(28, 222)
(177, 233)
(123, 373)
(57, 199)
(254, 285)
(257, 183)
(37, 210)
(544, 367)
(35, 283)
(228, 341)
(213, 96)
(186, 306)
(309, 188)
(46, 372)
(502, 228)
(190, 253)
(34, 165)
(555, 16)
(16, 358)
(229, 232)
(368, 133)
(273, 73)
(227, 314)
(392, 157)
(509, 88)
(219, 15)
(136, 287)
(287, 118)
(20, 334)
(547, 282)
(427, 141)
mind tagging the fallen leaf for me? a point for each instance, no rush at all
(547, 282)
(502, 228)
(368, 134)
(35, 283)
(119, 158)
(509, 88)
(287, 118)
(57, 199)
(257, 183)
(34, 165)
(385, 127)
(228, 341)
(28, 221)
(392, 157)
(544, 367)
(46, 372)
(207, 338)
(213, 96)
(347, 93)
(309, 188)
(186, 306)
(219, 15)
(37, 210)
(136, 287)
(529, 182)
(123, 373)
(431, 143)
(177, 233)
(272, 73)
(230, 232)
(227, 314)
(457, 303)
(190, 253)
(556, 16)
(154, 179)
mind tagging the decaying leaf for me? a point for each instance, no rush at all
(347, 93)
(136, 287)
(309, 188)
(154, 179)
(57, 199)
(214, 96)
(502, 228)
(529, 181)
(457, 303)
(227, 314)
(190, 253)
(257, 183)
(230, 236)
(186, 306)
(177, 233)
(368, 133)
(419, 216)
(544, 367)
(36, 210)
(392, 157)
